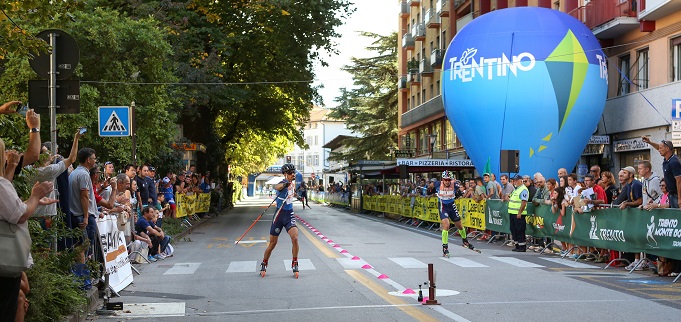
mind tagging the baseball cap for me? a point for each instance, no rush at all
(518, 177)
(166, 180)
(669, 144)
(485, 174)
(152, 169)
(630, 169)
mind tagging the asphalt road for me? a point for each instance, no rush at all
(358, 268)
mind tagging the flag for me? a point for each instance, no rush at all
(488, 167)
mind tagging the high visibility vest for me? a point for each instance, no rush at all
(514, 201)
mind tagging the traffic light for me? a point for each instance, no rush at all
(288, 159)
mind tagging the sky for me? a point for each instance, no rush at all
(378, 16)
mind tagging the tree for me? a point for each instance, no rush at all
(370, 108)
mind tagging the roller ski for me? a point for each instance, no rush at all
(294, 267)
(470, 246)
(263, 269)
(445, 250)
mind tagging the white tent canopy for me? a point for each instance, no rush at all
(274, 180)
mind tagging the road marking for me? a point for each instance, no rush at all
(183, 269)
(304, 264)
(302, 309)
(252, 241)
(515, 262)
(447, 313)
(383, 293)
(408, 262)
(348, 263)
(463, 262)
(317, 243)
(242, 267)
(145, 310)
(569, 263)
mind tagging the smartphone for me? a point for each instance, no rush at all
(82, 130)
(22, 109)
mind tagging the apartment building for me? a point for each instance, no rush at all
(642, 39)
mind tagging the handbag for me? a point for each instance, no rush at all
(15, 246)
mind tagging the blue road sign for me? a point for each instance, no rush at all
(114, 121)
(676, 109)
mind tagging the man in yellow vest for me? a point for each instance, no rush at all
(517, 207)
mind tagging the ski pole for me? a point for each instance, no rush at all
(258, 219)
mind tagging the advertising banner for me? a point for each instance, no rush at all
(115, 253)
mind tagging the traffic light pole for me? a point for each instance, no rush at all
(133, 133)
(52, 88)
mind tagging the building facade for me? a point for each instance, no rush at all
(642, 39)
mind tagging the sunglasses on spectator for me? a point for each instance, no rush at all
(107, 163)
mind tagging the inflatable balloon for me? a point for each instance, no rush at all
(528, 79)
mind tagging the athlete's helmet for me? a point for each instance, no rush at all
(447, 174)
(287, 167)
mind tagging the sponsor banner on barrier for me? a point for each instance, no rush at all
(635, 230)
(189, 205)
(115, 253)
(472, 213)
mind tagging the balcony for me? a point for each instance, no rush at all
(407, 42)
(443, 8)
(418, 31)
(458, 3)
(402, 84)
(608, 18)
(436, 58)
(425, 68)
(422, 112)
(461, 22)
(414, 77)
(414, 3)
(405, 10)
(433, 18)
(656, 9)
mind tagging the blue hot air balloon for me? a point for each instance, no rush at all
(528, 79)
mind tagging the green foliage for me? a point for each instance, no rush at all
(371, 108)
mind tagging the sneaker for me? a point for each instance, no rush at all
(151, 258)
(673, 274)
(159, 257)
(557, 250)
(574, 256)
(641, 267)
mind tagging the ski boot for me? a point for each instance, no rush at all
(467, 244)
(263, 269)
(294, 267)
(445, 250)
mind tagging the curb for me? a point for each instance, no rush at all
(92, 305)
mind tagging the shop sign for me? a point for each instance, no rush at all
(630, 145)
(599, 139)
(593, 149)
(436, 163)
(404, 153)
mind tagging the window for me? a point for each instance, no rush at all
(437, 88)
(676, 59)
(437, 129)
(432, 91)
(450, 136)
(625, 75)
(316, 140)
(642, 70)
(423, 141)
(423, 95)
(316, 160)
(418, 98)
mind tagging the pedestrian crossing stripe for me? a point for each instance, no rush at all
(515, 262)
(114, 124)
(463, 262)
(242, 267)
(183, 269)
(303, 265)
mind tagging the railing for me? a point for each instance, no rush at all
(436, 58)
(402, 82)
(433, 18)
(417, 30)
(442, 8)
(414, 76)
(407, 41)
(598, 12)
(404, 8)
(457, 3)
(425, 67)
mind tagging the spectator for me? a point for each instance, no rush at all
(151, 184)
(15, 211)
(167, 191)
(541, 191)
(562, 172)
(83, 205)
(490, 187)
(480, 192)
(527, 181)
(632, 191)
(651, 184)
(146, 226)
(596, 172)
(143, 186)
(32, 153)
(608, 184)
(506, 187)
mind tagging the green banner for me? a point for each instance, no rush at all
(631, 230)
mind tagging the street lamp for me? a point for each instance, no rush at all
(392, 151)
(433, 138)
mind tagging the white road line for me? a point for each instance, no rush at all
(408, 262)
(303, 265)
(151, 310)
(448, 314)
(242, 267)
(183, 269)
(569, 263)
(515, 262)
(252, 241)
(348, 263)
(463, 262)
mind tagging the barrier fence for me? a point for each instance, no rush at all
(339, 199)
(631, 230)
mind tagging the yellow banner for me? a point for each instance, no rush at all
(472, 213)
(189, 205)
(203, 202)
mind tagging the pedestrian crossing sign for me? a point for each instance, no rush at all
(114, 121)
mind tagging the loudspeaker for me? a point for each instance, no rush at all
(509, 161)
(404, 171)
